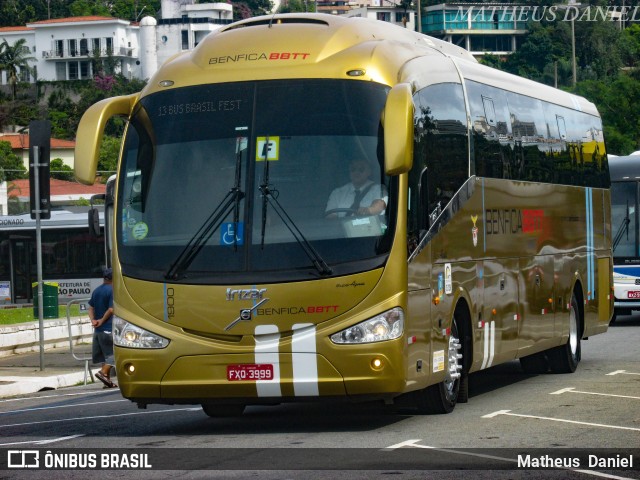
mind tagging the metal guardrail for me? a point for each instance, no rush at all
(83, 302)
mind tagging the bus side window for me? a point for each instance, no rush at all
(441, 163)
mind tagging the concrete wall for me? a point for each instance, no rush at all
(25, 337)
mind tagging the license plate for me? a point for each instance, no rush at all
(633, 294)
(249, 372)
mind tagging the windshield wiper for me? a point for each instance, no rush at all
(204, 233)
(268, 197)
(622, 229)
(211, 224)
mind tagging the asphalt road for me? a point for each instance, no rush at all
(510, 414)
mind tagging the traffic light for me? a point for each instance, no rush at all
(40, 136)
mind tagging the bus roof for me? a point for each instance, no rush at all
(326, 46)
(331, 46)
(625, 168)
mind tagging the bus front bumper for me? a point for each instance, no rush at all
(205, 378)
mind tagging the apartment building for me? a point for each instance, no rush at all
(63, 47)
(496, 28)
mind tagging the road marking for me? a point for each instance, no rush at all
(562, 420)
(406, 443)
(573, 390)
(43, 442)
(94, 417)
(622, 372)
(414, 444)
(20, 399)
(33, 409)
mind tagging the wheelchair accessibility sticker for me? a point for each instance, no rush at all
(228, 232)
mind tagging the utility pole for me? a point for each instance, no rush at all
(39, 156)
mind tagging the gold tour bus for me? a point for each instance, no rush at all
(244, 271)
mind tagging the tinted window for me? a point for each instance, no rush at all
(440, 165)
(534, 140)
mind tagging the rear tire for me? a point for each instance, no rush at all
(442, 397)
(565, 359)
(223, 410)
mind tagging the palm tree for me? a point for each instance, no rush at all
(13, 58)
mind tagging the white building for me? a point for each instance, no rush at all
(383, 10)
(63, 47)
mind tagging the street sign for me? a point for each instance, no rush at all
(39, 190)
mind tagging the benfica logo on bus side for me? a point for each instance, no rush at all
(474, 230)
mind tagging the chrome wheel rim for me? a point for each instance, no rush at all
(573, 332)
(455, 367)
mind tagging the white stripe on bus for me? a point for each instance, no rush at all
(305, 360)
(485, 354)
(492, 343)
(267, 344)
(489, 344)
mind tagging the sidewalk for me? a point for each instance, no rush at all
(20, 374)
(20, 369)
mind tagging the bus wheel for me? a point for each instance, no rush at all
(223, 410)
(565, 358)
(442, 397)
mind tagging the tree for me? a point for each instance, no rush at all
(11, 166)
(88, 7)
(13, 59)
(617, 102)
(598, 48)
(60, 170)
(108, 161)
(630, 45)
(251, 8)
(293, 6)
(544, 45)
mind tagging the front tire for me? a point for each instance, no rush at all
(442, 397)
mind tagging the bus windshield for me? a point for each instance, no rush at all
(245, 178)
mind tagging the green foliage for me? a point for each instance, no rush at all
(61, 125)
(60, 170)
(492, 61)
(11, 167)
(13, 59)
(10, 316)
(617, 102)
(599, 56)
(108, 161)
(293, 6)
(20, 12)
(629, 45)
(251, 8)
(88, 7)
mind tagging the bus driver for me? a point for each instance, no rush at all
(360, 197)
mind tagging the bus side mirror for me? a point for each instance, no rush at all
(90, 131)
(398, 130)
(94, 222)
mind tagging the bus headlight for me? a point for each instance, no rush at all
(386, 326)
(126, 334)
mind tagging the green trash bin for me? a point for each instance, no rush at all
(49, 300)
